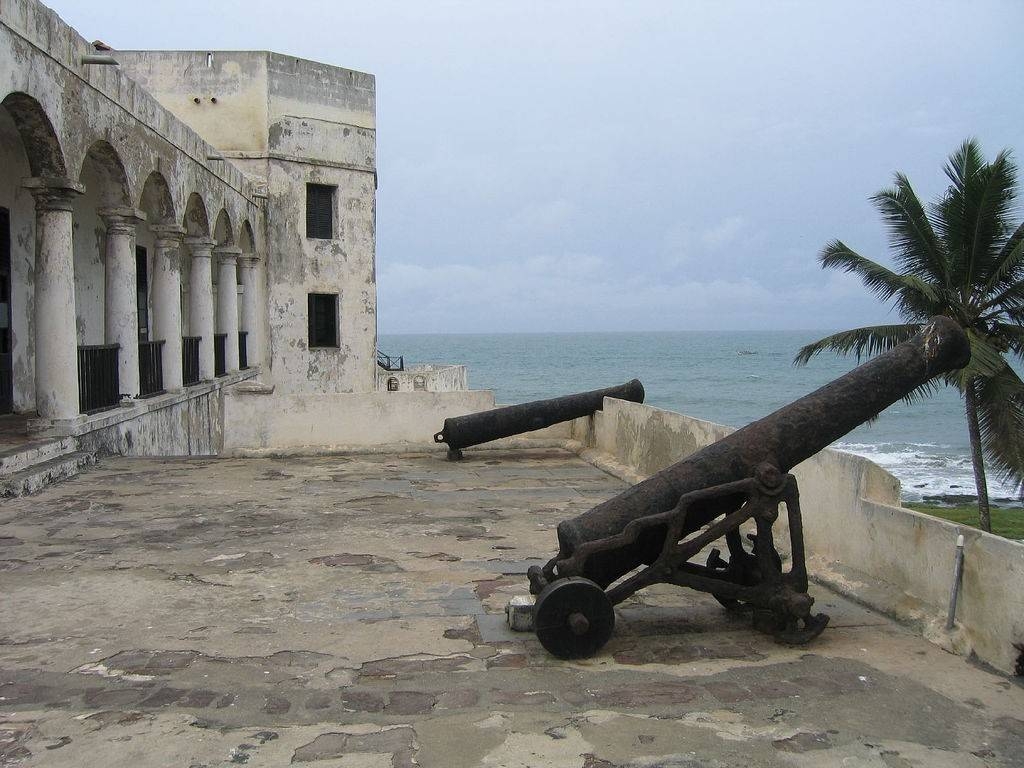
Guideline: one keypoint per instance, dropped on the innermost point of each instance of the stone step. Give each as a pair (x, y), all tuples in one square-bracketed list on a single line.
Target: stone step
[(38, 476), (33, 452)]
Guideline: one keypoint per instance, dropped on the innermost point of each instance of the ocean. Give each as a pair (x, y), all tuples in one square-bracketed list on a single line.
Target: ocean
[(727, 377)]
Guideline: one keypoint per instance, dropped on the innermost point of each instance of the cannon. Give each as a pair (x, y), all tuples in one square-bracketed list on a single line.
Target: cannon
[(652, 532), (463, 431)]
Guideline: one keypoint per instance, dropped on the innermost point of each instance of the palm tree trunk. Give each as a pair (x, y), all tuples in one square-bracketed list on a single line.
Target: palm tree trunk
[(971, 406)]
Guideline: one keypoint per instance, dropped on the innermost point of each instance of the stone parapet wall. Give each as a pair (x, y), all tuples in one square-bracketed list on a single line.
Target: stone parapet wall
[(429, 378), (259, 421), (859, 540)]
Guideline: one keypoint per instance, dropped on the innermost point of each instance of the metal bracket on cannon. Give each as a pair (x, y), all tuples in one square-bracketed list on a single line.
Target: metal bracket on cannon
[(574, 616)]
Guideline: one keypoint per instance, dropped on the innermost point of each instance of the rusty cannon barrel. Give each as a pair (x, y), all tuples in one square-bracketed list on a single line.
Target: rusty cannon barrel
[(782, 439), (463, 431)]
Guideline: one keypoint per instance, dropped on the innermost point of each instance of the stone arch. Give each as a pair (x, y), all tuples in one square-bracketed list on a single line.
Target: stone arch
[(156, 200), (246, 239), (104, 176), (223, 232), (45, 156), (195, 221)]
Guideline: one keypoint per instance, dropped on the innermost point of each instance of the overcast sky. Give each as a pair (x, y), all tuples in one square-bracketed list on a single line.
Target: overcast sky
[(571, 166)]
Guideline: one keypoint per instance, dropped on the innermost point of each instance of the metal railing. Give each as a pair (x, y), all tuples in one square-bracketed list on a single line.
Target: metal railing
[(190, 360), (389, 363), (243, 353), (219, 353), (97, 377), (151, 368)]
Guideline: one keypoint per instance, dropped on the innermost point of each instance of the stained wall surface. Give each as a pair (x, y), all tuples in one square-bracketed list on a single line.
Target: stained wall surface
[(289, 122)]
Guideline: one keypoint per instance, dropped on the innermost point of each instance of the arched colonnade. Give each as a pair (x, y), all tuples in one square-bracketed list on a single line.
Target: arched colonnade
[(127, 268)]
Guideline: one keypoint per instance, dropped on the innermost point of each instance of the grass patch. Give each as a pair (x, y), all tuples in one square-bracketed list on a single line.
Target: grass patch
[(1006, 521)]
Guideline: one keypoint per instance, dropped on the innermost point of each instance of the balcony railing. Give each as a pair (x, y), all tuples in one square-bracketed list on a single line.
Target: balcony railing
[(190, 360), (243, 353), (97, 377), (151, 368), (219, 343), (389, 363)]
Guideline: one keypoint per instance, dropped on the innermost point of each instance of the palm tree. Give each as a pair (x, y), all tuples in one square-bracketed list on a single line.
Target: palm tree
[(960, 257)]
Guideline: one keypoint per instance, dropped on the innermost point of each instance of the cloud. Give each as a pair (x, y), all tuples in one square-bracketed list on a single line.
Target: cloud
[(541, 218), (576, 292)]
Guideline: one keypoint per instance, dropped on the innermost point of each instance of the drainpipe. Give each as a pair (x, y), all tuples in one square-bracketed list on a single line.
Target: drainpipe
[(958, 572)]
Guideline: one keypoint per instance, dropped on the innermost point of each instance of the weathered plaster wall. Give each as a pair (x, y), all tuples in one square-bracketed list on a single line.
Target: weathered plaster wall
[(18, 201), (435, 378), (90, 242), (189, 426), (321, 131), (311, 89), (259, 421), (230, 86), (298, 266), (300, 122), (859, 540)]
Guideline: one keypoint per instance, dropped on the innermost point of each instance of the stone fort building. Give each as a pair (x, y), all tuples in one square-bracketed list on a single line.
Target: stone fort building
[(181, 229)]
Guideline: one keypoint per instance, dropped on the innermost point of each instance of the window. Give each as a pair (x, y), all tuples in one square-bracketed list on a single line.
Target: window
[(142, 292), (323, 320), (320, 211), (392, 384), (419, 382)]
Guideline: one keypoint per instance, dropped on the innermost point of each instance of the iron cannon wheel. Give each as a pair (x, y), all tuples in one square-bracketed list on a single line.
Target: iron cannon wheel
[(574, 618)]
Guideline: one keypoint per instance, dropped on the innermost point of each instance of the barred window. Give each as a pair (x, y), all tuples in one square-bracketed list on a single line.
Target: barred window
[(320, 211)]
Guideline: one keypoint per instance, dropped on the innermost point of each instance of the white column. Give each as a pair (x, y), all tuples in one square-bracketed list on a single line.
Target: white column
[(121, 306), (249, 264), (56, 342), (200, 306), (227, 303), (167, 301)]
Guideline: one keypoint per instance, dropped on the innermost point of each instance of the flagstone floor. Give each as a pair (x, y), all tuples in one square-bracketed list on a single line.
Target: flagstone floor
[(348, 611)]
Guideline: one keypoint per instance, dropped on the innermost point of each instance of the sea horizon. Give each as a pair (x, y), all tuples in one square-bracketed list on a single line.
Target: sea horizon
[(725, 377)]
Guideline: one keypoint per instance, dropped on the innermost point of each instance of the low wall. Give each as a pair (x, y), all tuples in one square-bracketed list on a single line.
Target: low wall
[(860, 541), (185, 423), (259, 422), (430, 378)]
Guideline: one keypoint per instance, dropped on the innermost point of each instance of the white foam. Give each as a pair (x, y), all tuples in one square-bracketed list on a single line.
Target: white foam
[(928, 469)]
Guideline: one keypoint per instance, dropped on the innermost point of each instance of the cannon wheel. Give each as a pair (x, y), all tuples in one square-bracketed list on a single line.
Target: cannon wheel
[(574, 618)]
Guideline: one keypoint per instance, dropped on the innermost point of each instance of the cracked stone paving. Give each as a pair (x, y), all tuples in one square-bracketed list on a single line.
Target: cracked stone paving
[(348, 611)]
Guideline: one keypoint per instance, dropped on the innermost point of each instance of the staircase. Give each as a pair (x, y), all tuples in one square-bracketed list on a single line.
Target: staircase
[(28, 465)]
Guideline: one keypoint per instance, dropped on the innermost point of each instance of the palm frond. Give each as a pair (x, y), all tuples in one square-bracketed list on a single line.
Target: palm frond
[(1001, 419), (1010, 334), (1009, 303), (986, 359), (861, 342), (911, 235), (1007, 265), (914, 292), (964, 163), (922, 392), (971, 218)]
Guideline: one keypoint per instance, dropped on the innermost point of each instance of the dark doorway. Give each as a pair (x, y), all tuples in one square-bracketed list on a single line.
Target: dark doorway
[(6, 366)]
